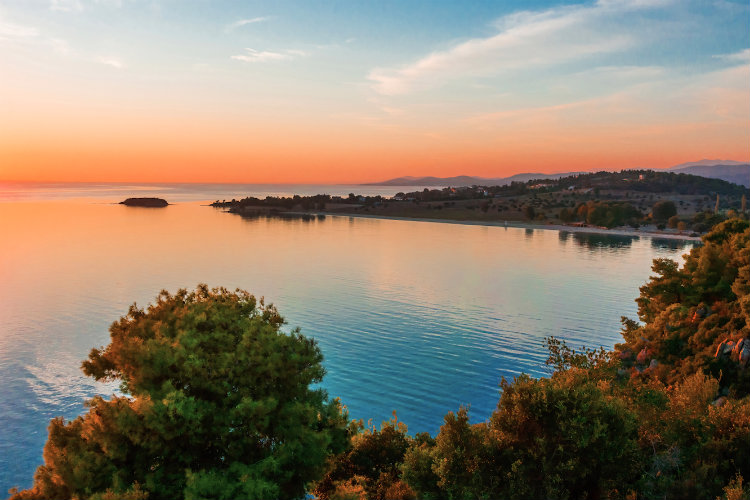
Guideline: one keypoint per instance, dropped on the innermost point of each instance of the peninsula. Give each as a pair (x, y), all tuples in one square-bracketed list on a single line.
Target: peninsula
[(632, 201)]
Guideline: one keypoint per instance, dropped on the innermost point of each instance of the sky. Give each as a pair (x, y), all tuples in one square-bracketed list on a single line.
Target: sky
[(353, 91)]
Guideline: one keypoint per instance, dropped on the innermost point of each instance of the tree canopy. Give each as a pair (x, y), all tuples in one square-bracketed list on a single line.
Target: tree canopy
[(664, 415), (218, 403), (663, 210)]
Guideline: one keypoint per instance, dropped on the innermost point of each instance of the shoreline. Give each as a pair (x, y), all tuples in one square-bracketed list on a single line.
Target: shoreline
[(522, 225)]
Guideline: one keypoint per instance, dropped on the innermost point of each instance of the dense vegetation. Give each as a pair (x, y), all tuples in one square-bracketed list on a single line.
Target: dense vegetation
[(626, 180), (605, 199), (217, 404), (221, 408), (666, 415)]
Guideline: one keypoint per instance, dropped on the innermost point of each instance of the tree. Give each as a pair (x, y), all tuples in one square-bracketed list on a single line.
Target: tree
[(217, 404), (566, 215), (562, 437), (692, 311), (663, 210), (370, 464), (529, 212)]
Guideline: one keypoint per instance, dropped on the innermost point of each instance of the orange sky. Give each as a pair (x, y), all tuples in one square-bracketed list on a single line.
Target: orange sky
[(240, 152), (172, 103)]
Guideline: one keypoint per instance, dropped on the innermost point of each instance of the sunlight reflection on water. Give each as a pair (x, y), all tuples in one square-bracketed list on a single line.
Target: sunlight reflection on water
[(413, 316)]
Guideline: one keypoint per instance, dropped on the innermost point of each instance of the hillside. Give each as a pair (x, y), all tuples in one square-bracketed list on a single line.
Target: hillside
[(738, 173), (466, 180), (644, 199), (727, 170)]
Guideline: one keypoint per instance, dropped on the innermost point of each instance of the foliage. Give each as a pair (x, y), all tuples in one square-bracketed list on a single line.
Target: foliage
[(660, 417), (735, 490), (370, 464), (607, 214), (218, 404), (689, 312), (529, 212), (663, 210), (561, 357)]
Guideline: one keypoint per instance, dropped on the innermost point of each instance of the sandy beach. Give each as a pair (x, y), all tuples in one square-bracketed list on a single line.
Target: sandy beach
[(647, 232)]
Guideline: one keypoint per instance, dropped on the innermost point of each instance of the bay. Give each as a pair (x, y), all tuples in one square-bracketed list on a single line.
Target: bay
[(417, 317)]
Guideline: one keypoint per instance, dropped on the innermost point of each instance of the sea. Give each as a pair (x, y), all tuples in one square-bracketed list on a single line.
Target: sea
[(415, 317)]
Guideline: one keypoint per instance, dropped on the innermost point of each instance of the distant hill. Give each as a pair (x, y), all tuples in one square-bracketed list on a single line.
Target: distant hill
[(706, 163), (467, 180), (727, 170), (736, 172)]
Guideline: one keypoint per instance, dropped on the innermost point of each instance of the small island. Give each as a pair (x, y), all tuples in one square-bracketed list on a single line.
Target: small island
[(145, 202)]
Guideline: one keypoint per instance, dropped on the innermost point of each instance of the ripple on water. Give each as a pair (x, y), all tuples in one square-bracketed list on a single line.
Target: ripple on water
[(414, 317)]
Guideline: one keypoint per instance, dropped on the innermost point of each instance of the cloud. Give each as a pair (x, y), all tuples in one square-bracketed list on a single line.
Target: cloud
[(15, 34), (717, 98), (253, 56), (633, 4), (525, 40), (66, 5), (60, 46), (245, 22), (10, 31), (111, 61), (742, 56)]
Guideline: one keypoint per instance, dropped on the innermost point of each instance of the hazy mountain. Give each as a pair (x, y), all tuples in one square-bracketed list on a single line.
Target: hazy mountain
[(706, 163), (728, 170), (466, 180), (734, 171)]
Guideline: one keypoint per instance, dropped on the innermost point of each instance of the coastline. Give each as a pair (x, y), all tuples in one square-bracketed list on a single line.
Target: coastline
[(522, 225)]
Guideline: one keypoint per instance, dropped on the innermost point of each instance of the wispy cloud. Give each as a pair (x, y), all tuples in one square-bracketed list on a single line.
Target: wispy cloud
[(80, 5), (742, 56), (524, 40), (111, 61), (60, 46), (16, 34), (66, 5), (714, 98), (245, 22), (253, 56), (11, 31)]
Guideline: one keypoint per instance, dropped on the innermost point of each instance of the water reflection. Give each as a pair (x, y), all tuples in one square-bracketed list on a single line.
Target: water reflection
[(420, 328), (607, 241), (283, 216), (670, 244)]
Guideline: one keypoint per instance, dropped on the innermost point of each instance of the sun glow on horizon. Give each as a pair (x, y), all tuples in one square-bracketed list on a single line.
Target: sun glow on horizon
[(228, 93)]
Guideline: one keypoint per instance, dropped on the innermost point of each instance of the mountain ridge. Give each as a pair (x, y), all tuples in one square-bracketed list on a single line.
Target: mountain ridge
[(728, 170)]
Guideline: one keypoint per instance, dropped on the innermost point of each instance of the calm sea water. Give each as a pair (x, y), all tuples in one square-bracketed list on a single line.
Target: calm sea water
[(417, 317)]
